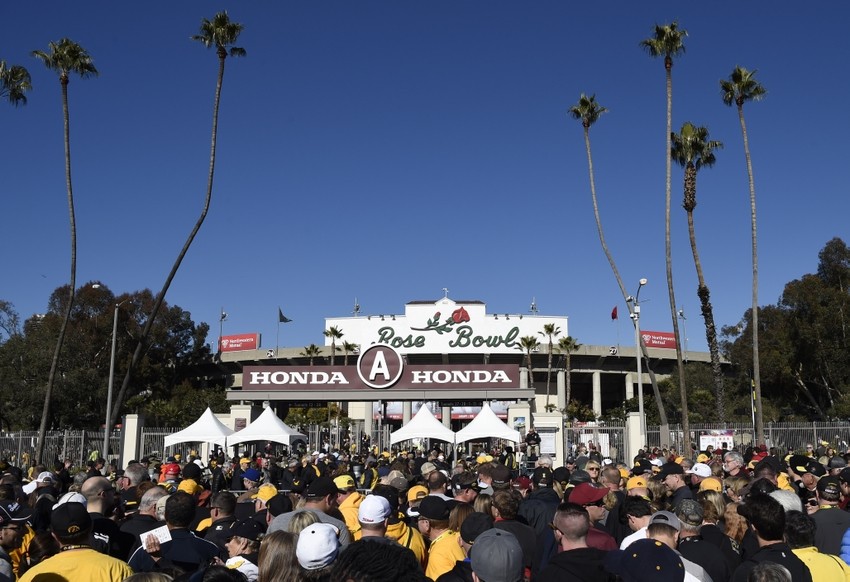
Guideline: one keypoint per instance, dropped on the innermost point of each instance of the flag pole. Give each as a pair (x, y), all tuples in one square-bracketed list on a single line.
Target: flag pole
[(277, 335)]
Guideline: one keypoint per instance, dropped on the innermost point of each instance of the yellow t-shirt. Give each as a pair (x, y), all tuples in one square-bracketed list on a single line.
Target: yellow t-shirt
[(442, 554), (84, 564), (410, 538), (823, 566)]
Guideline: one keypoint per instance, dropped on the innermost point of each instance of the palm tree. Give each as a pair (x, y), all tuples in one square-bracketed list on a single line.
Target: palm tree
[(551, 331), (668, 41), (15, 81), (740, 88), (693, 151), (568, 345), (588, 111), (310, 352), (529, 344), (334, 333), (348, 348), (220, 33), (63, 57)]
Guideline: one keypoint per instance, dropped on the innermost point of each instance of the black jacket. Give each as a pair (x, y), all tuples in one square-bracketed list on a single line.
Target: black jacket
[(539, 508), (462, 572), (579, 565)]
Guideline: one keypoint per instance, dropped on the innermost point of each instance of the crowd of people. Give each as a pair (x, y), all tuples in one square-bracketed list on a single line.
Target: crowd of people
[(723, 515)]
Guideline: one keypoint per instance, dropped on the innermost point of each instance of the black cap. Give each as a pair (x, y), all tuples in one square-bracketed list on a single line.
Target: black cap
[(279, 504), (249, 529), (542, 477), (70, 519), (561, 475), (322, 487), (475, 524), (670, 469), (830, 486), (579, 476), (433, 507)]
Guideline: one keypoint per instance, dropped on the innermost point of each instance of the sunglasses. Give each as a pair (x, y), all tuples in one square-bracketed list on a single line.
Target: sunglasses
[(591, 468), (599, 503)]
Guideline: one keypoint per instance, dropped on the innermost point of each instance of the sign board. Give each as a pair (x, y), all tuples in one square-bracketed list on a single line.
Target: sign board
[(716, 439), (659, 339), (239, 342), (443, 327)]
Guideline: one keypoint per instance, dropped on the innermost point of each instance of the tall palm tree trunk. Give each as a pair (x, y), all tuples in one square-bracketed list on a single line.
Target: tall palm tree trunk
[(662, 415), (704, 296), (54, 364), (755, 316), (142, 345), (686, 436)]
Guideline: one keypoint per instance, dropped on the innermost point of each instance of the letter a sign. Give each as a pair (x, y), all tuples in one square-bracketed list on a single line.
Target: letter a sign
[(379, 366)]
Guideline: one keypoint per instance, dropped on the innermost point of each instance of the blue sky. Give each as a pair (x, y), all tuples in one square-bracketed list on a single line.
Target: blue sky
[(385, 150)]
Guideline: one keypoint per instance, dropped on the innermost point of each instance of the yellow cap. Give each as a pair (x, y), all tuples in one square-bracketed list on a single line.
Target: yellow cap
[(634, 482), (244, 460), (679, 460), (624, 473), (190, 486), (711, 484), (702, 458), (265, 492), (416, 492), (344, 482)]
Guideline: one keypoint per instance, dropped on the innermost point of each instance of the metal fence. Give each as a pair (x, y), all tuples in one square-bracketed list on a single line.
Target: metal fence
[(76, 445), (783, 435), (609, 439)]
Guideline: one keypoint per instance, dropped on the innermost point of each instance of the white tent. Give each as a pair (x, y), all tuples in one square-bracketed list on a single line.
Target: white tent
[(267, 427), (485, 425), (423, 425), (207, 429)]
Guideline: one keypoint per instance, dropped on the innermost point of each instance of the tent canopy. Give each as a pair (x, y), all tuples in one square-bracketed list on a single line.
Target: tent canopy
[(423, 425), (207, 429), (267, 427), (485, 425)]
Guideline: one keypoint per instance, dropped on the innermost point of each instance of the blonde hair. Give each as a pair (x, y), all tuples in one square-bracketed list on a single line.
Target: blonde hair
[(302, 520), (277, 562), (736, 525)]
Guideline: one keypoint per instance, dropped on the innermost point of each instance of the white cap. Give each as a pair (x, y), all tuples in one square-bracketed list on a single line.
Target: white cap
[(373, 509), (43, 477), (657, 462), (71, 497), (700, 470), (318, 546)]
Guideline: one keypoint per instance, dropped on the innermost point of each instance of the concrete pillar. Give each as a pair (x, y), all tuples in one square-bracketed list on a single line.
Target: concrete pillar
[(550, 426), (562, 390), (406, 411), (597, 393), (447, 416), (634, 439), (630, 385), (132, 439)]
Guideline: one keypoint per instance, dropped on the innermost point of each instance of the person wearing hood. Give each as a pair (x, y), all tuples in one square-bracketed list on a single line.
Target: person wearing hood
[(349, 500), (538, 508), (575, 561)]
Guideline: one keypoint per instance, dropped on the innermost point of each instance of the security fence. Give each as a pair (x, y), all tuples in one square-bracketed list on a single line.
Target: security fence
[(609, 439), (786, 436), (78, 446)]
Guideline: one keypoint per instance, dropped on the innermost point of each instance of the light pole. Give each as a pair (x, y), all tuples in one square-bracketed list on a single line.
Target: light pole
[(635, 315), (106, 428), (221, 319), (684, 330)]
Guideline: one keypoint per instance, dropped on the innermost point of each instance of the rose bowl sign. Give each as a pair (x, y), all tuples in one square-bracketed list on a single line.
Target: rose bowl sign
[(239, 342), (380, 367)]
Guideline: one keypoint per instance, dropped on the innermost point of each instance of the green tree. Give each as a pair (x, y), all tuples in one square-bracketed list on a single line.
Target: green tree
[(10, 321), (588, 111), (550, 331), (693, 151), (15, 81), (529, 344), (568, 345), (310, 352), (220, 33), (668, 41), (63, 57), (740, 88), (348, 348), (334, 333)]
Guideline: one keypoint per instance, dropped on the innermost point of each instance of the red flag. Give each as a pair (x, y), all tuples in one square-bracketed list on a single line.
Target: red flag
[(614, 313)]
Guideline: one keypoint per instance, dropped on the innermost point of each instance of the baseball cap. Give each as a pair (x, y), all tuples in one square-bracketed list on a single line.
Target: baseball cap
[(249, 528), (496, 556), (586, 494), (373, 509), (829, 485), (474, 525), (279, 504), (12, 511), (43, 477), (501, 477), (711, 484), (252, 475), (427, 468), (244, 460), (72, 496), (321, 487), (666, 518), (399, 483), (522, 483), (433, 507), (642, 466), (700, 470), (69, 519), (634, 482), (670, 469), (561, 475), (464, 481), (690, 512), (345, 483), (318, 546), (702, 458), (265, 492), (644, 561), (542, 477), (416, 492), (579, 476), (844, 475)]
